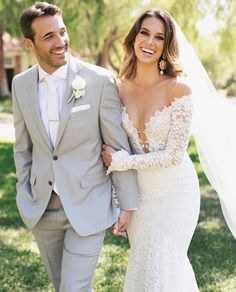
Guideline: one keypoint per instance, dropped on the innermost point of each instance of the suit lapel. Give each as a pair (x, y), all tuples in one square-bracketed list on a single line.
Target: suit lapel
[(73, 69), (35, 105)]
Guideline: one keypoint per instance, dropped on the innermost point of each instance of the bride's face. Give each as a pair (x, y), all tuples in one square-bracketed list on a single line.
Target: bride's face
[(150, 40)]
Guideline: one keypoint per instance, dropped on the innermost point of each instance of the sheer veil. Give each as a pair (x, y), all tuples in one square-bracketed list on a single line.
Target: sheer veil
[(214, 129)]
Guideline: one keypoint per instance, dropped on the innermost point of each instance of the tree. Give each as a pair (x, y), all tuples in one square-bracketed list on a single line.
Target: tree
[(97, 28), (9, 21)]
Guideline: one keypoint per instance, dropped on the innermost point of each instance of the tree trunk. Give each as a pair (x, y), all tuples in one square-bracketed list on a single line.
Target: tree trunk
[(3, 78), (103, 56)]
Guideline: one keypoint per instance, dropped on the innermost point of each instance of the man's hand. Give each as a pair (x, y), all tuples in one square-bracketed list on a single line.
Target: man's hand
[(106, 154), (114, 229), (120, 227), (124, 219)]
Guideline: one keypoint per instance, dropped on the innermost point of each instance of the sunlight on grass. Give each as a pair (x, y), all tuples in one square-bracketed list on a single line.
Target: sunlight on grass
[(221, 284), (212, 251), (110, 272), (209, 225), (6, 105), (22, 239)]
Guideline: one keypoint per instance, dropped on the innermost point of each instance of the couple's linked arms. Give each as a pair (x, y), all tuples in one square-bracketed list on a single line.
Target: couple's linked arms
[(177, 143), (113, 134)]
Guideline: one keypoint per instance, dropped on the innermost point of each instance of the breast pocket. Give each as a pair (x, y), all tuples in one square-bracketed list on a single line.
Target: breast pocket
[(80, 112)]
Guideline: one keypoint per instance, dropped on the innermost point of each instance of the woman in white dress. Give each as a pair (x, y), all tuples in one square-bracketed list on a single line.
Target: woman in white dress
[(157, 114)]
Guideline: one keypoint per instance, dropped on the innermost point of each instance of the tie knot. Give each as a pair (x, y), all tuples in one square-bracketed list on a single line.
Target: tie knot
[(50, 79)]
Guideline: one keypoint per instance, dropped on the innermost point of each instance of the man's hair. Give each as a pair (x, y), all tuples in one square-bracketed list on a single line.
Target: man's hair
[(38, 9)]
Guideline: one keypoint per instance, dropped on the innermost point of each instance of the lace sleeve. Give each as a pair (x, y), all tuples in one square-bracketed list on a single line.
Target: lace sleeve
[(177, 142)]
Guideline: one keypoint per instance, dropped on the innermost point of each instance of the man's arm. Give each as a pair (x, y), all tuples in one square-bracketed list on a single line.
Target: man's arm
[(22, 147), (114, 135)]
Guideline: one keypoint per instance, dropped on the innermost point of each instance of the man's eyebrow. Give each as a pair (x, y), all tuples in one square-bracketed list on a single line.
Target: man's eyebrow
[(47, 34)]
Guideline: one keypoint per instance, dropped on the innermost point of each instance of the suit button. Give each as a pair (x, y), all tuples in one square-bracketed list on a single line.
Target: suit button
[(55, 157), (50, 183)]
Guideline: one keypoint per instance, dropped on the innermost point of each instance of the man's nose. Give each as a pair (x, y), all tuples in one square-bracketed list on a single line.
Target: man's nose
[(61, 41)]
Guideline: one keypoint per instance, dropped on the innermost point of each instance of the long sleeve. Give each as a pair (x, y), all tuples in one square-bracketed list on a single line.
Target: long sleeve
[(177, 142), (22, 147), (113, 134)]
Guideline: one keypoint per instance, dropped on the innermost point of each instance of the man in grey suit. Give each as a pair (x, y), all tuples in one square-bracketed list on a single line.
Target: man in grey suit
[(64, 110)]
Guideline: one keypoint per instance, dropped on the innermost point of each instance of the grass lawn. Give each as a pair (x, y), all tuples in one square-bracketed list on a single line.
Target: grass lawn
[(212, 252), (5, 105)]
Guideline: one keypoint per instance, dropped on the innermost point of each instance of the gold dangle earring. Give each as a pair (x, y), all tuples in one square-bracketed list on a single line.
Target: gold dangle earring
[(162, 65)]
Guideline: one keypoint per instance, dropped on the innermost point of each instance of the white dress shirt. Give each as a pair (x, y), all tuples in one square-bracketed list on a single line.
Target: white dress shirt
[(60, 85)]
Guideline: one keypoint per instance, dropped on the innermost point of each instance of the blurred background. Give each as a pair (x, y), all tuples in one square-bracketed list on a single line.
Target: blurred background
[(96, 29)]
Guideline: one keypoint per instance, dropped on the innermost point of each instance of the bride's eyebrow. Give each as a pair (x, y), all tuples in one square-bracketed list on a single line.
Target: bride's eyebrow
[(157, 33)]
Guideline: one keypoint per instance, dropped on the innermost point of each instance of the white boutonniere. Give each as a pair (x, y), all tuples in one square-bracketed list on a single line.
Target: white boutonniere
[(78, 88)]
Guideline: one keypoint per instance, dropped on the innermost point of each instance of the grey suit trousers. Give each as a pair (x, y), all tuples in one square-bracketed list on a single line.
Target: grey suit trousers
[(70, 259)]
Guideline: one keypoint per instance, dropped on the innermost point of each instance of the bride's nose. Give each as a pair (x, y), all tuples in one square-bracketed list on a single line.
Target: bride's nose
[(151, 39)]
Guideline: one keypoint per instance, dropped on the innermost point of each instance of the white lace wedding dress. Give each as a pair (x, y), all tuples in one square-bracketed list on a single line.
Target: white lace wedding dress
[(162, 227)]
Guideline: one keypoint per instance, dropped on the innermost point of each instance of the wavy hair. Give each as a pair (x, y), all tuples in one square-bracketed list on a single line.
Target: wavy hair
[(170, 52)]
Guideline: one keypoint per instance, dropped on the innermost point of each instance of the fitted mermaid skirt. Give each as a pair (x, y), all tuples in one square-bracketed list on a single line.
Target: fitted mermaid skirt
[(161, 230)]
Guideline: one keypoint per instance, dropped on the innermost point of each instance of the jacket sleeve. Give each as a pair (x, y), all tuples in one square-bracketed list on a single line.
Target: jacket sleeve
[(114, 135), (22, 148)]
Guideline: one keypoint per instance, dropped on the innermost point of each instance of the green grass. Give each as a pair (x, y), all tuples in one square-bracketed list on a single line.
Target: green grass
[(212, 251), (5, 104)]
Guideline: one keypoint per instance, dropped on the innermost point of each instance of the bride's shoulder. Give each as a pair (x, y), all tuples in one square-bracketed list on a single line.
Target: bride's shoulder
[(121, 83), (123, 87), (178, 88)]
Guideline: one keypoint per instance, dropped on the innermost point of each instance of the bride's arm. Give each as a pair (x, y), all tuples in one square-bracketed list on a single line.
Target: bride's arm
[(177, 143)]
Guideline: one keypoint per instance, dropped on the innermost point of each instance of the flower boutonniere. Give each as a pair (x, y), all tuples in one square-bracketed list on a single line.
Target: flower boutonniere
[(78, 87)]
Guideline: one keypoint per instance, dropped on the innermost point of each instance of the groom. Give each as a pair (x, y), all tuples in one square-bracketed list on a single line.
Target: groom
[(64, 110)]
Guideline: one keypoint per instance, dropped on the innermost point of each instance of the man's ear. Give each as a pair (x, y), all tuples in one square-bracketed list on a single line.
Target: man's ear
[(29, 45)]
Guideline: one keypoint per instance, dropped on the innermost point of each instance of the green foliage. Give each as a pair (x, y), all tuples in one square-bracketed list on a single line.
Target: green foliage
[(212, 251), (9, 15), (92, 22), (5, 104), (230, 85)]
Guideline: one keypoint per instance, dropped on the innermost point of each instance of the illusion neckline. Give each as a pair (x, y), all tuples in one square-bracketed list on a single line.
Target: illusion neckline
[(155, 113)]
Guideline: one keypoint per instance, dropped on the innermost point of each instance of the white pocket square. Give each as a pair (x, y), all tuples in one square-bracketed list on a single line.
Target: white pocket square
[(80, 108)]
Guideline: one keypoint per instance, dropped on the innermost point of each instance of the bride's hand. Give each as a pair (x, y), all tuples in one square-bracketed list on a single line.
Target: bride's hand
[(106, 154)]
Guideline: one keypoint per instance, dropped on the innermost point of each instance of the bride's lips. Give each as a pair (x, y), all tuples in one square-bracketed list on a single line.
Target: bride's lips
[(147, 51)]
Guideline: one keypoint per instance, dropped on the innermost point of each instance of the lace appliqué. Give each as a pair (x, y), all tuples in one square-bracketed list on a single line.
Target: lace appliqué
[(167, 134)]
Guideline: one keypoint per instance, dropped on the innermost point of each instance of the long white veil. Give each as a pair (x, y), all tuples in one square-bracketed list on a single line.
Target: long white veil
[(214, 129)]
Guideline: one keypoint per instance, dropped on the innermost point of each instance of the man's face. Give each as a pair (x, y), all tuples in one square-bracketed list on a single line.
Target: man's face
[(50, 43)]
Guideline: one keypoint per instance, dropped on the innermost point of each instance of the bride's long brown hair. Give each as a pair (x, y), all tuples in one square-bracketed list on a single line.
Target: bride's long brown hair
[(170, 52)]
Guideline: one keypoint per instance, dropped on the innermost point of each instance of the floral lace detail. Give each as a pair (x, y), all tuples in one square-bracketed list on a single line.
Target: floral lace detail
[(132, 132), (167, 134), (168, 200)]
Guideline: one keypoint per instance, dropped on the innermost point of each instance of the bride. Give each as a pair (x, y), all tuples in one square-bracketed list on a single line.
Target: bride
[(157, 102)]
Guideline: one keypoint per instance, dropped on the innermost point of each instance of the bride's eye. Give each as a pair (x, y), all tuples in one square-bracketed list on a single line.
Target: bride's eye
[(144, 32), (159, 37)]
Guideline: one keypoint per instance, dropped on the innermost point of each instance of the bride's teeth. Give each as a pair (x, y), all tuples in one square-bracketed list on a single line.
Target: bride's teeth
[(59, 52), (147, 51)]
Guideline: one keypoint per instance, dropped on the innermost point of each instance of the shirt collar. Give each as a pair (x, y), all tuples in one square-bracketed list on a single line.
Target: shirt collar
[(60, 73)]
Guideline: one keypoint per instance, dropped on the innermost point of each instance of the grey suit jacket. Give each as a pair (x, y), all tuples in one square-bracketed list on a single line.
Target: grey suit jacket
[(75, 163)]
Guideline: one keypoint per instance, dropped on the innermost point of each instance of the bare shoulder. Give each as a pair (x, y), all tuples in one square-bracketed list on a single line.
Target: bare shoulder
[(122, 88), (179, 88)]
